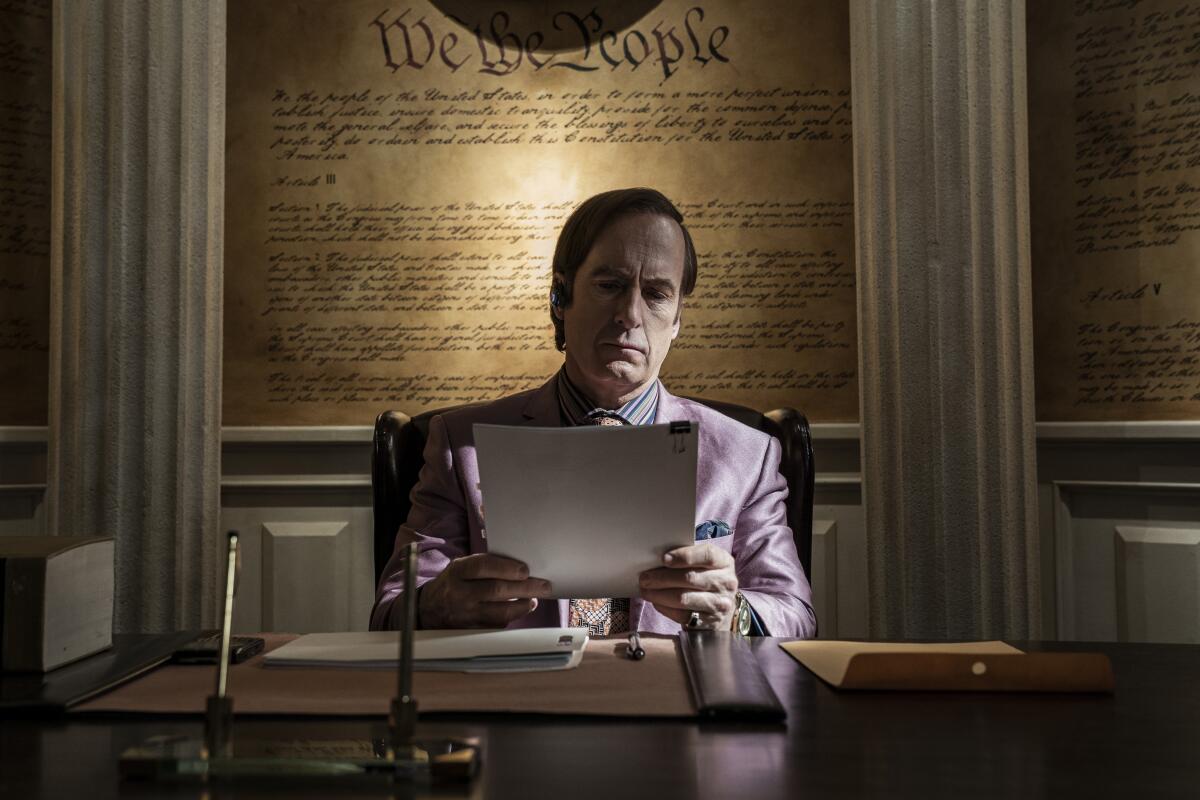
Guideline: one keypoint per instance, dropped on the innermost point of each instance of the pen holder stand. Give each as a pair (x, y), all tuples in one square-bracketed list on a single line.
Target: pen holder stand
[(335, 765), (398, 758), (402, 725), (218, 727)]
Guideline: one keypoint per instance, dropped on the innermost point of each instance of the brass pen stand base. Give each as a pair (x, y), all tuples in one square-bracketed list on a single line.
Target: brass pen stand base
[(398, 759), (346, 762)]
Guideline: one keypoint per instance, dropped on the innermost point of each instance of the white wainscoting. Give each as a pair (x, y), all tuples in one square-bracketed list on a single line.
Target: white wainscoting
[(839, 565), (1158, 584), (824, 577), (1119, 521), (278, 478), (1120, 531), (22, 481), (22, 509), (1119, 579), (307, 551)]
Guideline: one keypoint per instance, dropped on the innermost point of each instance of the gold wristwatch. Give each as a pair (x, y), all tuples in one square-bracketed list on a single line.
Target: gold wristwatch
[(742, 616)]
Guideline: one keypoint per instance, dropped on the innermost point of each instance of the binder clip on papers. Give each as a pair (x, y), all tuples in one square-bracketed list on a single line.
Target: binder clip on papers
[(396, 757), (678, 429)]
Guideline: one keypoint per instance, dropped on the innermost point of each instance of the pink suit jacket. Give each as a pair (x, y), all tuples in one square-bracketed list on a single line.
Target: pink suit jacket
[(737, 481)]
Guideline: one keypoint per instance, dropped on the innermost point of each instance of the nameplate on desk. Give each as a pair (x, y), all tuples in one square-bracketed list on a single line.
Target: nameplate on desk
[(959, 666)]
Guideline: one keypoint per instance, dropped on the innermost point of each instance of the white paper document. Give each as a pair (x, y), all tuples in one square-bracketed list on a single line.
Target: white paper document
[(518, 650), (588, 508)]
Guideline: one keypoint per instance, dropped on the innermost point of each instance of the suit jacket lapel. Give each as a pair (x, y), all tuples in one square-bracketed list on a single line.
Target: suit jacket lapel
[(669, 408), (542, 407)]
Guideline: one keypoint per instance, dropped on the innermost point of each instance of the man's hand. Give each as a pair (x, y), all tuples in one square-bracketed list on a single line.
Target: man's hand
[(699, 578), (480, 591)]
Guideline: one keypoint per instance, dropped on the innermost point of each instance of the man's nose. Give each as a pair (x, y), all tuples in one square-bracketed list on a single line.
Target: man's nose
[(629, 309)]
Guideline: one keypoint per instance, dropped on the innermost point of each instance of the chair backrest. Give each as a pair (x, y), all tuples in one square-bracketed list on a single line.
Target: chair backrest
[(399, 455)]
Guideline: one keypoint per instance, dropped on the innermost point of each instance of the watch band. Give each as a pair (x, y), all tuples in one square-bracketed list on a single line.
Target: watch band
[(743, 617)]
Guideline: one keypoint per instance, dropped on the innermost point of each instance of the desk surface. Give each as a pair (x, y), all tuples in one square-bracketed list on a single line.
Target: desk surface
[(1143, 741)]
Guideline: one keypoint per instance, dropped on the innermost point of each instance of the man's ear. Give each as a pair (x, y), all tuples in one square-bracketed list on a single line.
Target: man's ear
[(557, 301)]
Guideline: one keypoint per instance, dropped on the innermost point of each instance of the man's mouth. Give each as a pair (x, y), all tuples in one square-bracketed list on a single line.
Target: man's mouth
[(625, 346)]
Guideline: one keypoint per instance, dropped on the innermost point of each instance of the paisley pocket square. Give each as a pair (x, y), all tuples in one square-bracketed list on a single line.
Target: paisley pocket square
[(712, 529)]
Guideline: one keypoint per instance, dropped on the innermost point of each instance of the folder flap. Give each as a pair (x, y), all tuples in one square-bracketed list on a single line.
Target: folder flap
[(830, 659), (956, 666)]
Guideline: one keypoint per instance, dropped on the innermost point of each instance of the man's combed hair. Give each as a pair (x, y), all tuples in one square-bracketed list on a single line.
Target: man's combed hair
[(590, 219)]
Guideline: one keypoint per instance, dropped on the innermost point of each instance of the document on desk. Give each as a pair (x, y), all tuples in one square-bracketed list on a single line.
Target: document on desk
[(518, 650), (588, 508), (951, 666)]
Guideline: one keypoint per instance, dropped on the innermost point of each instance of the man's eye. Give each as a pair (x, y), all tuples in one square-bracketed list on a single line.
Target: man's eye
[(609, 286), (657, 296)]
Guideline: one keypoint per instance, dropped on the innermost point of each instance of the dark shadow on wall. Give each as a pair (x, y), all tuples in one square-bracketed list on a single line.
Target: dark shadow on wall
[(551, 26)]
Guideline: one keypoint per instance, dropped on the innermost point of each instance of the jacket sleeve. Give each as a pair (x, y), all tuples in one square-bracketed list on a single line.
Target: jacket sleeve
[(437, 523), (768, 568)]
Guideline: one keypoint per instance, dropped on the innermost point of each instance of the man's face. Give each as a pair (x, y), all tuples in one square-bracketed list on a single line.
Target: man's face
[(624, 308)]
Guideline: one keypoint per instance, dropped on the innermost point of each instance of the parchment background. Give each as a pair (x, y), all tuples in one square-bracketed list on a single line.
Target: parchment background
[(24, 211), (330, 47), (1135, 374)]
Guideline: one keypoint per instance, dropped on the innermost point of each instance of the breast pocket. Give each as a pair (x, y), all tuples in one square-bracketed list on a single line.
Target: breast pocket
[(712, 529)]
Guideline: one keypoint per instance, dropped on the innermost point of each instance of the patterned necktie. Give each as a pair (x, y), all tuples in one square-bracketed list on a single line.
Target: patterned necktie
[(602, 615)]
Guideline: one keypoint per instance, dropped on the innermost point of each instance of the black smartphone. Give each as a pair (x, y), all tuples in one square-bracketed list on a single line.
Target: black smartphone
[(207, 649)]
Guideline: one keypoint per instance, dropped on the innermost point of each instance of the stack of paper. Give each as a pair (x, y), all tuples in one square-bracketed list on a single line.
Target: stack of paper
[(549, 492), (520, 650)]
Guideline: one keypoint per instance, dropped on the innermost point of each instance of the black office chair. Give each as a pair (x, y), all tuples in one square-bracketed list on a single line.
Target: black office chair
[(399, 455)]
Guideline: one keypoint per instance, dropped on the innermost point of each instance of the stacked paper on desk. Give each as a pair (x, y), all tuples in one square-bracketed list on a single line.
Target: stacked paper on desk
[(521, 650)]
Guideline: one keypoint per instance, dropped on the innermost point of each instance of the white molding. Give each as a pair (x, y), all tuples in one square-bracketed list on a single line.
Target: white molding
[(23, 434), (295, 483), (21, 488), (1064, 554), (1184, 430), (1152, 578), (1127, 486), (321, 550), (1143, 534), (825, 541), (352, 434), (834, 431), (298, 434), (837, 479), (363, 481)]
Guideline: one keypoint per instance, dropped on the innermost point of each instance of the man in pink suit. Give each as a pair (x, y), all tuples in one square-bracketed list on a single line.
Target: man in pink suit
[(622, 266)]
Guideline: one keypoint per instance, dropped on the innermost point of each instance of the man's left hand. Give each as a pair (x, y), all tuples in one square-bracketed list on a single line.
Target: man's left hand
[(700, 578)]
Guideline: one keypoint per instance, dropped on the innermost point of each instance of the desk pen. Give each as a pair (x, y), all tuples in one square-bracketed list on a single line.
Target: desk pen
[(633, 650)]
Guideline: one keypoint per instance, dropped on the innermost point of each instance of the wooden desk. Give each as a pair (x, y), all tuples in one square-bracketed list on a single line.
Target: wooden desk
[(1144, 741)]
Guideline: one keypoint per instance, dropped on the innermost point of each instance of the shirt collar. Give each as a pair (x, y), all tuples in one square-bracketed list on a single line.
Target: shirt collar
[(576, 407)]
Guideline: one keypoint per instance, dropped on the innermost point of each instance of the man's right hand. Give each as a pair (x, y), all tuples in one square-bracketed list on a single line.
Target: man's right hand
[(480, 591)]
